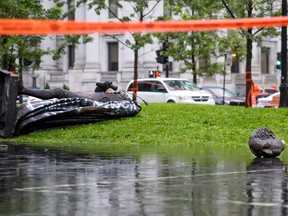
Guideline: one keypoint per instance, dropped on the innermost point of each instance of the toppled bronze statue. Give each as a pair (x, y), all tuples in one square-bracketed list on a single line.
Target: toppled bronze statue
[(263, 143), (59, 107)]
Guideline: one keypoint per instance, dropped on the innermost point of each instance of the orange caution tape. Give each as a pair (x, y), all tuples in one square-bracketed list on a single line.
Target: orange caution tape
[(41, 27)]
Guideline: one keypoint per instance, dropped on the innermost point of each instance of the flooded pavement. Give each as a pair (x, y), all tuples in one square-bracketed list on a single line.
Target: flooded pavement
[(182, 182)]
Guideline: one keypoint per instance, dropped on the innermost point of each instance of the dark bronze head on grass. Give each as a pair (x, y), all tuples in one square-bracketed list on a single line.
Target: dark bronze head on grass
[(263, 143)]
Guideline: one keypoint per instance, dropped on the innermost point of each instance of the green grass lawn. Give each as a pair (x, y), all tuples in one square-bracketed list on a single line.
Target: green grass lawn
[(169, 125)]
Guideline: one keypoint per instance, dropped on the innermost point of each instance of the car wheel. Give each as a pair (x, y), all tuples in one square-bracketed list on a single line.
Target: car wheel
[(170, 101)]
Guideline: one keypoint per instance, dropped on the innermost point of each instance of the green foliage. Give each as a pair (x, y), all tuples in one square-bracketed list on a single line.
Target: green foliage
[(65, 87), (191, 47), (166, 125), (20, 47), (131, 10), (26, 48), (46, 86), (96, 5), (209, 69), (253, 8), (140, 41), (73, 40), (55, 13), (232, 40), (21, 9), (140, 12)]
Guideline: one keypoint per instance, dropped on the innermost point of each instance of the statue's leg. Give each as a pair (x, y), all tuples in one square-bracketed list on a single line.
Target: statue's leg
[(48, 94)]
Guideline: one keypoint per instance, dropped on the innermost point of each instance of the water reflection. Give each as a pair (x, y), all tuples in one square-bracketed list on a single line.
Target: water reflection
[(267, 186), (45, 182)]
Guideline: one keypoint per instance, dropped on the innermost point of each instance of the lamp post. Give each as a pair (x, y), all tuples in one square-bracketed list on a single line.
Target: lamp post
[(224, 77), (283, 87)]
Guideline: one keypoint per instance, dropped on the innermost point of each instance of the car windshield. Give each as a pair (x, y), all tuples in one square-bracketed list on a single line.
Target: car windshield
[(219, 92), (175, 85)]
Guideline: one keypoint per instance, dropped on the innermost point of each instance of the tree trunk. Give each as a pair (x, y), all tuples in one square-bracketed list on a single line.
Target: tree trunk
[(194, 68), (249, 82), (249, 47), (194, 77)]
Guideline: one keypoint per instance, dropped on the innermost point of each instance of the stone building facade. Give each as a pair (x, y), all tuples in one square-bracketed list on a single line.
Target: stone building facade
[(105, 59)]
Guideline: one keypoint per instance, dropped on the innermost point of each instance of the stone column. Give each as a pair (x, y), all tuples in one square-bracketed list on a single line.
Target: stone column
[(76, 74), (48, 66), (49, 43), (80, 53), (92, 69)]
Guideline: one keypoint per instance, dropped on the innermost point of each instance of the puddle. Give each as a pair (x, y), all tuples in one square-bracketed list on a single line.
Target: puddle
[(206, 182)]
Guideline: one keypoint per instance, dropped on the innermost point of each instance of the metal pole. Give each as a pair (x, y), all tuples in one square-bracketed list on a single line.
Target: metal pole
[(166, 62), (167, 69), (283, 87)]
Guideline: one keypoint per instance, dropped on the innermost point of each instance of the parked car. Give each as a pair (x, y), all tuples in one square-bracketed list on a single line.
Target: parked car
[(271, 101), (262, 93), (230, 98), (170, 90)]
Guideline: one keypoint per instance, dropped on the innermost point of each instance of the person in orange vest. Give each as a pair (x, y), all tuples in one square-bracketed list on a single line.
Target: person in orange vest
[(274, 87), (256, 91), (157, 74)]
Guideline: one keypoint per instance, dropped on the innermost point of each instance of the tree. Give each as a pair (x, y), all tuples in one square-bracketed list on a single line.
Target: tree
[(69, 13), (139, 10), (20, 52), (249, 9), (194, 49)]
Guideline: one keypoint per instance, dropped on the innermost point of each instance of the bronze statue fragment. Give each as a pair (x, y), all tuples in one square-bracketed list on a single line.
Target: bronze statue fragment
[(59, 107), (263, 143)]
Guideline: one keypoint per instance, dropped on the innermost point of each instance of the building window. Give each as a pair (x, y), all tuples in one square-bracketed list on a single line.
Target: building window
[(113, 9), (113, 56), (265, 60), (71, 56)]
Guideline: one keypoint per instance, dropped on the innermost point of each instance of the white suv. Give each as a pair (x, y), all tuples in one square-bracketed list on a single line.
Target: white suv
[(170, 90)]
